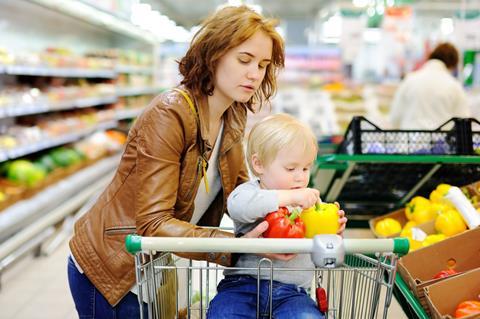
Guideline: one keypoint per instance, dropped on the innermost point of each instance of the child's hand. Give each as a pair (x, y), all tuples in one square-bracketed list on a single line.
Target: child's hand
[(303, 197), (342, 220), (257, 233)]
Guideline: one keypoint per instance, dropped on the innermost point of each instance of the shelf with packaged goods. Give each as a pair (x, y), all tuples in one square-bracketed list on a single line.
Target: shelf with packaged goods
[(58, 72), (124, 114), (23, 150), (133, 69), (130, 91), (43, 107)]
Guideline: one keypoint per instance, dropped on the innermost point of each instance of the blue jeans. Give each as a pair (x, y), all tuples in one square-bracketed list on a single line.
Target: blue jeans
[(91, 304), (237, 298)]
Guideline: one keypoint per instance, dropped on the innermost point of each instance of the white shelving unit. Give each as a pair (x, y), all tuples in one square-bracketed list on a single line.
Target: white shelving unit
[(83, 28)]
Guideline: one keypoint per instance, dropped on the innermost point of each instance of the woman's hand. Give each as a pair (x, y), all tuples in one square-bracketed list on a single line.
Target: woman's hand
[(257, 233), (342, 220)]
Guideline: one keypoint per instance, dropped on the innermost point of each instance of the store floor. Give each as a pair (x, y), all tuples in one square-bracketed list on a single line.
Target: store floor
[(37, 288)]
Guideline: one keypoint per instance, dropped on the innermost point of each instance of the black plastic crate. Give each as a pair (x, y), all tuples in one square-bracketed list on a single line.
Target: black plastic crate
[(454, 137), (474, 126)]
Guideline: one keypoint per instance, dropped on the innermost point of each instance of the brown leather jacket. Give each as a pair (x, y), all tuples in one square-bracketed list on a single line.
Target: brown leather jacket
[(153, 190)]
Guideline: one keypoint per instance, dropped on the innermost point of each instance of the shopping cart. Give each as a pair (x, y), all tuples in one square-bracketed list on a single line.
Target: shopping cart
[(356, 285)]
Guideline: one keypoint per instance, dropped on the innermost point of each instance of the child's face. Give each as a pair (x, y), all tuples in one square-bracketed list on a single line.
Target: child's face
[(289, 170)]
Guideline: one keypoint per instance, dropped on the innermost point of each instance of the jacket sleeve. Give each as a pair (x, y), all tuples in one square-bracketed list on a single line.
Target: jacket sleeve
[(161, 140), (248, 203)]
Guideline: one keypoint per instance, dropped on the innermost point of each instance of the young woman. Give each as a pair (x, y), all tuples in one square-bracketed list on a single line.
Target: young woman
[(183, 158)]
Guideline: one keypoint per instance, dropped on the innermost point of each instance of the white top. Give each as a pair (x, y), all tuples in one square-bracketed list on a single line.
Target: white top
[(427, 98), (204, 199)]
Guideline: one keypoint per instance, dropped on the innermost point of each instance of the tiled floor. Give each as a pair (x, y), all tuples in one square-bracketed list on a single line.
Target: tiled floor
[(37, 288)]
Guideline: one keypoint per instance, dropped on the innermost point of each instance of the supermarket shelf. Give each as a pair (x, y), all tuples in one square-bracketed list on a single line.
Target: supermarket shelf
[(85, 102), (133, 69), (43, 107), (137, 91), (22, 221), (45, 144), (60, 72), (128, 114)]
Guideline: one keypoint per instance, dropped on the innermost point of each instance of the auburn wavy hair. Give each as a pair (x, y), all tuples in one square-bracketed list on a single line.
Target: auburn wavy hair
[(226, 29)]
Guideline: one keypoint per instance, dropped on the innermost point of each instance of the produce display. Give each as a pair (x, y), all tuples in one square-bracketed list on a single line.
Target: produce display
[(445, 273), (467, 308), (22, 178), (428, 220)]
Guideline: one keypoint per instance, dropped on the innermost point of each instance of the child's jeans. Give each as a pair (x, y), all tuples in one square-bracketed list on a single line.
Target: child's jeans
[(237, 298)]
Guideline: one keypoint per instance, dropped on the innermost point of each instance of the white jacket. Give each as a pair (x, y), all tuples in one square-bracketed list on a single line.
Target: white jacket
[(427, 98)]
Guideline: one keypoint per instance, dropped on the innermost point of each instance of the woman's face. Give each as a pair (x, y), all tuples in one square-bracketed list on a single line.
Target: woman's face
[(241, 70)]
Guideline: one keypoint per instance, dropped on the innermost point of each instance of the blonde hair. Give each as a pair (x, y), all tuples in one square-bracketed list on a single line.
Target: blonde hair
[(277, 132), (222, 31)]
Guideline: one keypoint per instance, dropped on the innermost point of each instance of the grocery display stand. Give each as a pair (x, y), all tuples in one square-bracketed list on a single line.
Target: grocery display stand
[(371, 185), (409, 303), (376, 171)]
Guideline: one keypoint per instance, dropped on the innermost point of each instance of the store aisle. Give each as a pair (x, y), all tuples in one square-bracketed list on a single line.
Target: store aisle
[(37, 288)]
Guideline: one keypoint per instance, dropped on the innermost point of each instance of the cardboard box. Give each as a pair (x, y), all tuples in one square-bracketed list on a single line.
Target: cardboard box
[(472, 191), (443, 297), (459, 252)]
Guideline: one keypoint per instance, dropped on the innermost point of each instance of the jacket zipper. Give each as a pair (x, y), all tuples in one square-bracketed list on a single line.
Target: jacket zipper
[(197, 176), (120, 230)]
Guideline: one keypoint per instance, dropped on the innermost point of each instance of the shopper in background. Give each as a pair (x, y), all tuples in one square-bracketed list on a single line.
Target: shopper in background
[(280, 152), (181, 160), (429, 97)]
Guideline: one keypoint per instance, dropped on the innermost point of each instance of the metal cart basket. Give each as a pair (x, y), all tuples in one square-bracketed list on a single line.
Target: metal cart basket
[(356, 285)]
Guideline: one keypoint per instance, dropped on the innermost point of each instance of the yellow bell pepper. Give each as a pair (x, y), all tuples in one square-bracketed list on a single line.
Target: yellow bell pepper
[(320, 219), (409, 225), (443, 189), (408, 233), (450, 223), (438, 208), (417, 203), (438, 194), (388, 227), (423, 214), (432, 239)]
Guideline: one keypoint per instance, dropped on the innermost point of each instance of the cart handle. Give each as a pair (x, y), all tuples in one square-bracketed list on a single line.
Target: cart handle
[(135, 243)]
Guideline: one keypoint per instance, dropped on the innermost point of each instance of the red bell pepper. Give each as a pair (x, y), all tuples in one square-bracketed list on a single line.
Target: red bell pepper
[(467, 308), (283, 224), (445, 273)]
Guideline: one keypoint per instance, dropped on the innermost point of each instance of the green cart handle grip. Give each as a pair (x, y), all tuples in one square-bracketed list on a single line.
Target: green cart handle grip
[(133, 243), (401, 246)]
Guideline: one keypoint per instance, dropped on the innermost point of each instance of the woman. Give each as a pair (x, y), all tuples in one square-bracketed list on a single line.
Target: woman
[(157, 190)]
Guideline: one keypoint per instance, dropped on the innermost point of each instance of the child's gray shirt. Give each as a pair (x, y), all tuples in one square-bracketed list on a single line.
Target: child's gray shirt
[(248, 205)]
